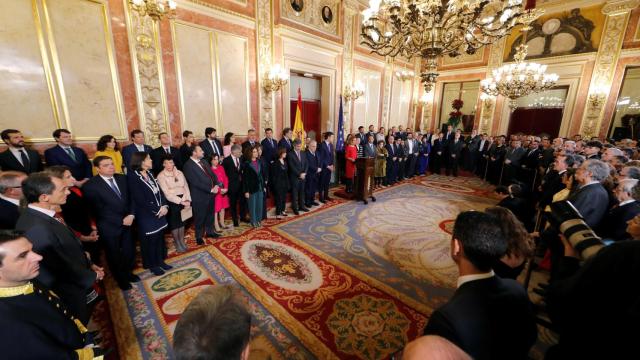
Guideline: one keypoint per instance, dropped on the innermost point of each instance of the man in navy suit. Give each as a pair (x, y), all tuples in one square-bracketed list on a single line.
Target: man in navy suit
[(10, 195), (211, 145), (108, 195), (285, 142), (297, 162), (203, 185), (137, 145), (487, 317), (164, 149), (251, 140), (269, 146), (17, 157), (327, 155), (314, 171), (66, 154)]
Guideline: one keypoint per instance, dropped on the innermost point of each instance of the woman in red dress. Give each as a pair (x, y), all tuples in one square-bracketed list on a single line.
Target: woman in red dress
[(222, 199), (350, 155)]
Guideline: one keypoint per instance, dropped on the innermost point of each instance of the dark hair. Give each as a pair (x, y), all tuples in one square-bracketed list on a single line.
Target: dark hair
[(136, 132), (162, 133), (37, 184), (285, 131), (481, 238), (296, 142), (6, 133), (186, 133), (519, 242), (327, 135), (516, 190), (621, 159), (137, 158), (57, 132), (248, 152), (103, 141), (268, 129), (57, 170), (208, 131), (215, 325), (281, 151), (165, 157), (214, 156), (360, 127), (96, 161), (7, 236), (227, 138), (569, 159)]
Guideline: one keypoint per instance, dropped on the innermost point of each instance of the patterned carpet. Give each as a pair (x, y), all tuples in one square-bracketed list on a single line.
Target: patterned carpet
[(345, 281)]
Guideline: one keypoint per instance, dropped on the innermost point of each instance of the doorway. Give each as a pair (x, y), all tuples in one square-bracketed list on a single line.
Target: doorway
[(311, 90), (539, 113)]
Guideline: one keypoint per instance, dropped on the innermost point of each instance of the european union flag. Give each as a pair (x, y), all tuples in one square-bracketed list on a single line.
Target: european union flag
[(340, 140)]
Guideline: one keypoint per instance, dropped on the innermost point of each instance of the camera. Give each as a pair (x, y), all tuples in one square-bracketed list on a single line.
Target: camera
[(567, 219)]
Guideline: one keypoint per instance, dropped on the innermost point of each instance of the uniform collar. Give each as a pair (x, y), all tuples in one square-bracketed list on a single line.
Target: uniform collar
[(25, 289)]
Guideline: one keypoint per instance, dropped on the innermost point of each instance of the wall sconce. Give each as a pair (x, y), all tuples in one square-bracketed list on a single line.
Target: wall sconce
[(487, 101), (156, 9), (405, 75), (275, 79), (597, 97), (425, 98), (353, 92)]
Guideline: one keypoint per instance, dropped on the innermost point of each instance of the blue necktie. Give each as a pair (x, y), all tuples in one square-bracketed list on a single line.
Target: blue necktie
[(71, 154), (112, 185)]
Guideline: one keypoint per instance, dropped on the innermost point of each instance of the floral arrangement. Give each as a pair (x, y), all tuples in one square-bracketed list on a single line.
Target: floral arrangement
[(456, 115)]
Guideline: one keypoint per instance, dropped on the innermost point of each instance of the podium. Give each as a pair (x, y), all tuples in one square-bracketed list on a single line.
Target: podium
[(365, 169)]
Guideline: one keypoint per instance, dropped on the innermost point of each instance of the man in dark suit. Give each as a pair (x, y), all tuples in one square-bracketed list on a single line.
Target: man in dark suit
[(529, 164), (483, 157), (66, 154), (454, 151), (487, 317), (269, 146), (361, 135), (10, 195), (437, 154), (17, 157), (327, 155), (203, 185), (285, 142), (513, 158), (614, 224), (35, 324), (251, 140), (313, 174), (592, 150), (232, 167), (552, 180), (297, 173), (211, 145), (496, 160), (108, 197), (472, 143), (65, 268), (137, 145), (392, 160), (165, 149), (369, 149), (411, 151)]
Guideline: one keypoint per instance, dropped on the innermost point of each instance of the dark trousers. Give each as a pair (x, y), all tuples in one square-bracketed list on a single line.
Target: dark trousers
[(400, 173), (297, 194), (324, 183), (452, 166), (120, 252), (203, 216), (410, 166), (152, 249), (436, 163), (237, 198), (280, 198), (310, 188), (391, 171)]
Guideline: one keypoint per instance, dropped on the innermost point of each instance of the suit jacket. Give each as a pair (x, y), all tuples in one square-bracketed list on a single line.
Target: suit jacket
[(285, 143), (146, 204), (530, 159), (362, 137), (370, 151), (9, 214), (439, 146), (252, 180), (488, 319), (80, 169), (208, 149), (551, 184), (327, 154), (128, 150), (515, 155), (455, 148), (269, 149), (614, 224), (234, 174), (158, 153), (201, 182), (107, 207), (9, 162), (247, 144), (185, 153), (279, 176), (546, 158), (392, 150), (64, 267), (592, 201), (296, 166), (414, 148), (473, 142), (313, 163)]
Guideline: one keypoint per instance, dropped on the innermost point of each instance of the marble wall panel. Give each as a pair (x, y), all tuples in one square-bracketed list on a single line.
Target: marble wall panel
[(400, 101), (366, 108), (233, 66), (81, 42), (195, 55), (25, 97)]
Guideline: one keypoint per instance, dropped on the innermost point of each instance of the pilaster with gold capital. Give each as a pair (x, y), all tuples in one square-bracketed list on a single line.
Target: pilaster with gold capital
[(264, 44), (488, 110), (350, 11)]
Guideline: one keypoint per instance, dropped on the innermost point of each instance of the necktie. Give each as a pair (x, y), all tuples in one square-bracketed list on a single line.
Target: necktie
[(271, 141), (298, 154), (167, 151), (71, 154), (235, 160), (25, 159), (59, 218), (114, 187)]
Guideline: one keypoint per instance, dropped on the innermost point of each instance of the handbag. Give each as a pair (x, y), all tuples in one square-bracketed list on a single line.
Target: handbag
[(186, 213)]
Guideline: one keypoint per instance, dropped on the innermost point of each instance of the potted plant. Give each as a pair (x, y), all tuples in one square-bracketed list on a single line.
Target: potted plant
[(456, 115)]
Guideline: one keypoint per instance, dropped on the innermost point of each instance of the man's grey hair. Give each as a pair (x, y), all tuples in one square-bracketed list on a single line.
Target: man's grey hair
[(599, 169), (633, 172), (10, 179), (236, 147), (628, 185)]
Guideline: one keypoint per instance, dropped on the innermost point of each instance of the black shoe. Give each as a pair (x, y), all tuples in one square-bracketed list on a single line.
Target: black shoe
[(246, 221), (304, 209), (323, 201), (166, 266), (213, 235), (308, 205), (295, 212), (124, 286), (133, 278), (315, 203), (236, 224), (199, 241), (157, 271), (328, 199)]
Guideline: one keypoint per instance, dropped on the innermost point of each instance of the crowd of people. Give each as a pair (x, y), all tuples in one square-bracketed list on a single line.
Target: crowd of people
[(58, 219)]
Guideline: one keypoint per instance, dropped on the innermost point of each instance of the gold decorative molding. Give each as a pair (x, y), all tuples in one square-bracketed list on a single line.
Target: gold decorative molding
[(311, 14), (495, 60), (609, 51), (413, 103), (350, 12), (146, 58), (386, 97), (264, 45)]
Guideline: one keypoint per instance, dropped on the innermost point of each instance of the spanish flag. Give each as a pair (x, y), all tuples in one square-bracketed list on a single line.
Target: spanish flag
[(298, 126)]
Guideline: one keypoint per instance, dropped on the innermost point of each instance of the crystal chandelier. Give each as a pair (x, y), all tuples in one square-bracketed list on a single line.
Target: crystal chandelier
[(404, 75), (520, 78), (433, 28), (156, 9)]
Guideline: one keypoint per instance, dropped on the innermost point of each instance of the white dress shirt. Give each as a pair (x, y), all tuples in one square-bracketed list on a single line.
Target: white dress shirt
[(15, 202), (467, 278), (47, 212)]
